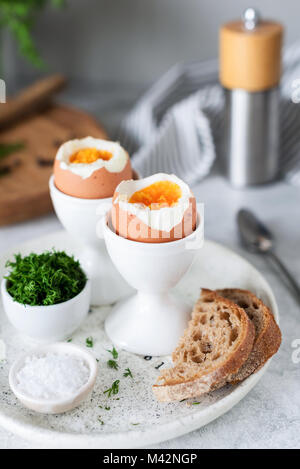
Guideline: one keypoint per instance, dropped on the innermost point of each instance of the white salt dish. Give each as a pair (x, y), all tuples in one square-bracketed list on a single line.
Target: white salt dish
[(47, 323), (58, 405), (151, 321), (81, 217)]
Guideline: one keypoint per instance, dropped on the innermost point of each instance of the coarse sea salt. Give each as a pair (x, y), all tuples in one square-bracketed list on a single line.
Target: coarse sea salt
[(52, 376)]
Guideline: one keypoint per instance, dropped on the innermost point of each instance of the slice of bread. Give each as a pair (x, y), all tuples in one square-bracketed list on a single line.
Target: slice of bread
[(267, 333), (216, 343)]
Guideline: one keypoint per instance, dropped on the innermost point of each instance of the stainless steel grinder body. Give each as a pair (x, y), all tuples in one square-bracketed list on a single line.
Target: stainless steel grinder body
[(251, 136)]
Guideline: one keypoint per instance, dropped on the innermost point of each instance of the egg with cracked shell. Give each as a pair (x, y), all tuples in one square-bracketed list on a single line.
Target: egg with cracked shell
[(157, 209), (91, 168)]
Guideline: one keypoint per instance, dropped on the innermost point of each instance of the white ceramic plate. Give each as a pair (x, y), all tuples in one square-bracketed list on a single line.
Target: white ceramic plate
[(134, 418)]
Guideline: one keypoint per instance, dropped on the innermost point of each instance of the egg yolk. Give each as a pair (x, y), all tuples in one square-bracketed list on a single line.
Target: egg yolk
[(157, 195), (89, 155)]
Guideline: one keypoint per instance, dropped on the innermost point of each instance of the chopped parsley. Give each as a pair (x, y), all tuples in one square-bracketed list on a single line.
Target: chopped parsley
[(114, 353), (89, 342), (127, 373), (113, 364), (44, 279), (114, 388)]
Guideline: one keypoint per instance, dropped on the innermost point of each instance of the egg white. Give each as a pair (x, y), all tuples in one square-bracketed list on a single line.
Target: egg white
[(165, 218), (115, 165)]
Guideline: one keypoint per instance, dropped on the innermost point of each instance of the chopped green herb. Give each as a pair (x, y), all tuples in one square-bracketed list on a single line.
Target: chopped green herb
[(196, 403), (127, 373), (114, 353), (135, 424), (107, 408), (44, 279), (69, 340), (100, 420), (114, 388), (113, 364), (97, 360), (7, 149), (100, 406), (89, 342)]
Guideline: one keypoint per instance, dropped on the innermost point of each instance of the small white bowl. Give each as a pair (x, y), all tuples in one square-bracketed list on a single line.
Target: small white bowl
[(47, 323), (56, 406)]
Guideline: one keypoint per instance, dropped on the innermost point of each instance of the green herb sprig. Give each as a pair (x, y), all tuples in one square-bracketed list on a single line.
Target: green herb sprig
[(44, 279), (112, 364), (89, 342), (114, 389), (114, 353), (19, 17), (127, 373)]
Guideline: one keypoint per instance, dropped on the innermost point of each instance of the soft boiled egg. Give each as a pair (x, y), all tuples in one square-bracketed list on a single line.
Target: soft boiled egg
[(91, 168), (156, 209)]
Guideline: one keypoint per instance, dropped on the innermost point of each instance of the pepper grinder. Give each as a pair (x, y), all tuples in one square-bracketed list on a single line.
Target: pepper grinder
[(250, 68)]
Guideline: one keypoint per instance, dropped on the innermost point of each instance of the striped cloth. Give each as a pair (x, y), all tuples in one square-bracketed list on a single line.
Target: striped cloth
[(176, 126)]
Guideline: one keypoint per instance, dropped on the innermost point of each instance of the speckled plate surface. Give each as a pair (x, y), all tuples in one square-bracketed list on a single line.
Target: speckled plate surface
[(132, 418)]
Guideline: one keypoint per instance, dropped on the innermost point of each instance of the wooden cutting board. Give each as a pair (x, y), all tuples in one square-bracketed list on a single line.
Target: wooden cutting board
[(24, 191)]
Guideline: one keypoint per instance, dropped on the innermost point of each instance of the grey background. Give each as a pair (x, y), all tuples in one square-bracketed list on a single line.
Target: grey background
[(135, 41)]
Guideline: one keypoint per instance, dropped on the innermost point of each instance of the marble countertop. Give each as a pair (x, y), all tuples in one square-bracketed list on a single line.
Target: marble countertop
[(269, 416)]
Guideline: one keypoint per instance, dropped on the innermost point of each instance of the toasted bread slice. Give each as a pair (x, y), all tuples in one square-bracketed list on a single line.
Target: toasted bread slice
[(216, 343), (267, 333)]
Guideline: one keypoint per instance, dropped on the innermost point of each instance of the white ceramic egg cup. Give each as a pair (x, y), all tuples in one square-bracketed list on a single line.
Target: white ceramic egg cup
[(151, 321), (82, 220)]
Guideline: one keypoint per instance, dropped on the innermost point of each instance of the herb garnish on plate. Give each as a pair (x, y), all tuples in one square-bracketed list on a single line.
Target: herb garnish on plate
[(113, 364), (89, 342), (114, 389), (114, 353), (44, 279), (127, 373)]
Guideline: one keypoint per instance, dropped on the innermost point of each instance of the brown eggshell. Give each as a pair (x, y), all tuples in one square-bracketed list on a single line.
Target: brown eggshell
[(131, 227), (99, 185)]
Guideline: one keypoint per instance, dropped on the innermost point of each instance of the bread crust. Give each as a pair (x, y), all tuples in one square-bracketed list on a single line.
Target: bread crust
[(267, 341), (217, 376)]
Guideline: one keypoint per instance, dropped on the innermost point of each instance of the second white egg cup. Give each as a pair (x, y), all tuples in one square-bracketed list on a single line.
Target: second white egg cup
[(82, 219), (151, 321)]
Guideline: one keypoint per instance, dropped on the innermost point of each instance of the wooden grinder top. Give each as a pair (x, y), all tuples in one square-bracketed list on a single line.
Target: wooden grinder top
[(250, 53)]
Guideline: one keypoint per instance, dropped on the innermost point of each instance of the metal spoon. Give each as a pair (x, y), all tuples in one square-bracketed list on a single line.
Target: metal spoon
[(257, 238)]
